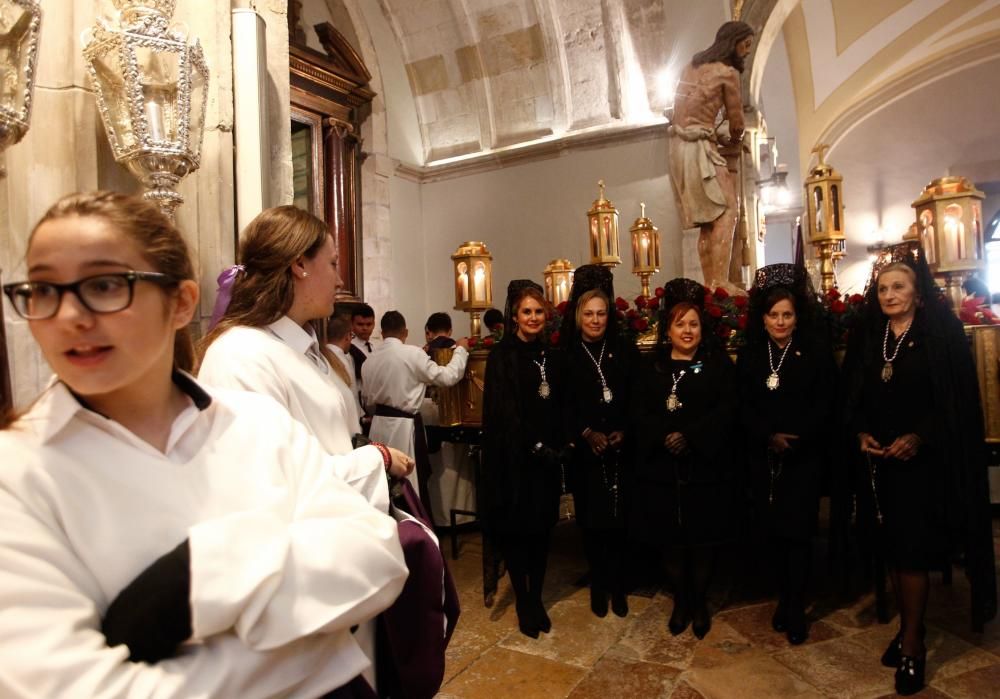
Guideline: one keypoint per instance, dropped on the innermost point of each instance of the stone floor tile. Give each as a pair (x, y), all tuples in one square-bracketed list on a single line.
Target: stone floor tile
[(649, 640), (722, 645), (754, 623), (500, 673), (977, 684), (577, 637), (759, 677), (616, 677), (841, 667), (686, 691)]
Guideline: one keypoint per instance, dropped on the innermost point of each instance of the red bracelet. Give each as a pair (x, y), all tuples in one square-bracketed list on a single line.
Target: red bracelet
[(384, 451)]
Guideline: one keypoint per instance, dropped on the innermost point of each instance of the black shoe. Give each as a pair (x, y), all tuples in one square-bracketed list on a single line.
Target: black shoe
[(619, 604), (527, 622), (544, 623), (893, 651), (910, 674), (701, 621), (795, 620), (779, 622), (598, 601), (679, 619)]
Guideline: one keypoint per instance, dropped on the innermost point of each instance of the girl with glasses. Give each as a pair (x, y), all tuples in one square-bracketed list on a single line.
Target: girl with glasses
[(158, 538)]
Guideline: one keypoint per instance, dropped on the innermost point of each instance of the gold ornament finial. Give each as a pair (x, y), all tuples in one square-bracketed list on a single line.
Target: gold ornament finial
[(642, 209), (820, 152), (600, 183)]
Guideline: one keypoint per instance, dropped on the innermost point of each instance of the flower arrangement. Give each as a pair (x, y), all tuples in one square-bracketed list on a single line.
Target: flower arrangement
[(487, 341), (730, 315), (976, 311), (842, 313)]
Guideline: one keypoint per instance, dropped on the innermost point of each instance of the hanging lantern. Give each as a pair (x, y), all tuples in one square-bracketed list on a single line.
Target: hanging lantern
[(473, 271), (645, 249), (558, 278), (950, 229), (150, 86), (603, 219), (825, 217), (19, 24)]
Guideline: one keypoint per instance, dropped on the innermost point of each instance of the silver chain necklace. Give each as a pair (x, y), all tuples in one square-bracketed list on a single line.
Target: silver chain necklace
[(544, 391), (887, 367), (772, 380), (673, 402), (605, 391)]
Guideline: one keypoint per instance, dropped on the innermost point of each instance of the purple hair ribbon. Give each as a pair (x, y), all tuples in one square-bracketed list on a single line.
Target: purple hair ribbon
[(226, 280)]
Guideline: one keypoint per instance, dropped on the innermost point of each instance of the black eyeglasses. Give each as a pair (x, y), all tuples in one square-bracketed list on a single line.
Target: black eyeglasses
[(102, 293)]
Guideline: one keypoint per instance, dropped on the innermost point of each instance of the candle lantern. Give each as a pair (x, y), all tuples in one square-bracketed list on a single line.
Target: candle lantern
[(19, 24), (603, 221), (150, 85), (950, 228), (473, 272), (558, 276), (645, 249), (824, 190)]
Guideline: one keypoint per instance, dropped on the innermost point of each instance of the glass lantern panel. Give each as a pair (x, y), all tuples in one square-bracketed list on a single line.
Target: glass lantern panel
[(108, 71), (199, 88), (159, 72), (479, 282), (15, 22)]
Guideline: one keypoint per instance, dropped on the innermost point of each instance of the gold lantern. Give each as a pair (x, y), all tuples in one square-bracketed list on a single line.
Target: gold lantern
[(150, 85), (603, 218), (558, 276), (473, 281), (645, 249), (950, 229), (824, 190)]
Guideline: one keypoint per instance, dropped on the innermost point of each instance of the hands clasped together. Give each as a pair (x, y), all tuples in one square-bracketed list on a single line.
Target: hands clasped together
[(903, 448)]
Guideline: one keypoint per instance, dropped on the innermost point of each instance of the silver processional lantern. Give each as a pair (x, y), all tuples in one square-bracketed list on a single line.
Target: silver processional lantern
[(19, 23), (151, 86)]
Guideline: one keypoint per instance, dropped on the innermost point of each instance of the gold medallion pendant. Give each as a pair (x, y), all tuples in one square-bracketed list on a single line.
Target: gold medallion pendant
[(607, 394), (773, 381), (887, 372), (543, 389), (673, 402)]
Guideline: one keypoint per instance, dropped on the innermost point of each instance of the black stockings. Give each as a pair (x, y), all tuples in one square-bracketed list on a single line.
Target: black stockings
[(791, 565), (690, 572), (911, 588), (527, 555), (606, 556)]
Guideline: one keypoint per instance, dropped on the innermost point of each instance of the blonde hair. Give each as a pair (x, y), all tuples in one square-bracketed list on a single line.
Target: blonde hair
[(586, 297)]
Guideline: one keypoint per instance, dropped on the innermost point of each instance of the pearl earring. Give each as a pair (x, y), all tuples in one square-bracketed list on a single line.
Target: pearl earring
[(305, 274)]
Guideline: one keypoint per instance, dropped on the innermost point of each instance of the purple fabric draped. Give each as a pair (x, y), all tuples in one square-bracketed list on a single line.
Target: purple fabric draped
[(225, 294)]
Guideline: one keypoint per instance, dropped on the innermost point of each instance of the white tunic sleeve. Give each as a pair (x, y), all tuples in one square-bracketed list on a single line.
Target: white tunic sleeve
[(51, 644), (323, 561), (430, 372)]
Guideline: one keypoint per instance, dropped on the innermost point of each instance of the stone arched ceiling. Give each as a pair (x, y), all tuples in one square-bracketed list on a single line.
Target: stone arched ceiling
[(851, 57), (487, 74)]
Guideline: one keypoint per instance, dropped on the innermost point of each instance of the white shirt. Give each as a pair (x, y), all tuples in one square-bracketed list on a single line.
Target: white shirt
[(397, 375), (273, 361), (285, 557), (349, 392), (363, 346)]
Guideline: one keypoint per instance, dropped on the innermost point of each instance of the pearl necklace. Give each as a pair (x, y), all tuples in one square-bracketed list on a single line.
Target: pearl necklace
[(606, 394), (773, 381), (887, 367)]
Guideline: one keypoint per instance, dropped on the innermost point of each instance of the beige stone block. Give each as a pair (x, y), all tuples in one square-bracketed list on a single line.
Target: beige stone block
[(427, 75), (758, 678), (470, 64), (506, 673), (516, 49)]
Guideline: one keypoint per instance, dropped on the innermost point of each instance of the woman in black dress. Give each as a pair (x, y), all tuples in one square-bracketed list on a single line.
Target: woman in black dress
[(685, 492), (787, 387), (913, 405), (523, 450), (599, 368)]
